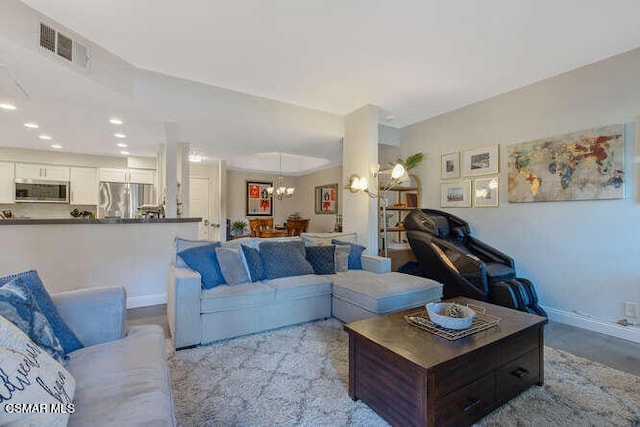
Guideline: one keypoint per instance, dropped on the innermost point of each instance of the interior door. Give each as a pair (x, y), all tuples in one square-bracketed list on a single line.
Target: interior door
[(199, 205)]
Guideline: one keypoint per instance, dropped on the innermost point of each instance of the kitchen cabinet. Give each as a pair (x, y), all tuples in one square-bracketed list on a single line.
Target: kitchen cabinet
[(83, 186), (141, 176), (113, 175), (41, 172), (6, 182)]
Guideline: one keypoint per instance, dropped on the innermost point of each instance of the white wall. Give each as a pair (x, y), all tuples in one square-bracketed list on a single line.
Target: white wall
[(305, 198), (78, 256), (582, 256)]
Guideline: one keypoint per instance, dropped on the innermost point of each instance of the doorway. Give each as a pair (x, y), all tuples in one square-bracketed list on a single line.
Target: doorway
[(200, 206)]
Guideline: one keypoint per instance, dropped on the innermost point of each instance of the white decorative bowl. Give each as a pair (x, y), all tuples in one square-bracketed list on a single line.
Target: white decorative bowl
[(435, 308)]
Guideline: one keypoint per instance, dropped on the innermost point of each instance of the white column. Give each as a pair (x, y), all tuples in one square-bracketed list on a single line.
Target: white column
[(184, 172), (171, 168), (359, 152)]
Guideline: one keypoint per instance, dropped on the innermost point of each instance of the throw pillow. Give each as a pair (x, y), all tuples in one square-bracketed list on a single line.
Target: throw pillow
[(254, 263), (180, 245), (65, 335), (284, 259), (355, 252), (324, 239), (18, 306), (30, 376), (232, 266), (203, 260), (322, 259), (342, 257)]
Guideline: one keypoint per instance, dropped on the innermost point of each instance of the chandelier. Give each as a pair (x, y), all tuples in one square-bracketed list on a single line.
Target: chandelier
[(281, 191)]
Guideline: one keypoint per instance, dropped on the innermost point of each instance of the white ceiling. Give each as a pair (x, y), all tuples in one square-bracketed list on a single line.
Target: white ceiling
[(413, 58)]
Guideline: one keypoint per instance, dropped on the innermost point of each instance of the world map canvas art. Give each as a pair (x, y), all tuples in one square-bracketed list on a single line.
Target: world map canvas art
[(584, 165)]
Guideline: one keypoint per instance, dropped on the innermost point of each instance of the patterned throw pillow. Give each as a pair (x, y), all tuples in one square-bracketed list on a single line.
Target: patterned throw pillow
[(322, 258), (35, 378), (18, 306), (65, 335), (232, 266), (284, 259), (254, 263), (203, 260), (355, 252)]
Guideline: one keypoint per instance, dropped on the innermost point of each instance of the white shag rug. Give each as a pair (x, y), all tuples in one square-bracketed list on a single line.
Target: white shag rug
[(298, 375)]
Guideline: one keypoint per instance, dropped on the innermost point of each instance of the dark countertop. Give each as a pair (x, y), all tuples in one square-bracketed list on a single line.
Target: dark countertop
[(56, 221)]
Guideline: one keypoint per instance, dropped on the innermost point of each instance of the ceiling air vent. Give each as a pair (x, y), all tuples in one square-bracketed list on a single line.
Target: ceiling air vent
[(65, 47)]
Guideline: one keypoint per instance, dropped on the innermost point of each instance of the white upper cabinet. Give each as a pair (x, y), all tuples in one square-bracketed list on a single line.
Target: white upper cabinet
[(41, 172), (6, 182), (141, 176), (83, 186), (113, 175)]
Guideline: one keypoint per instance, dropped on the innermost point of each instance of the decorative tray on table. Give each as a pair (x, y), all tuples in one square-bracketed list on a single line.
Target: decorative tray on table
[(482, 321)]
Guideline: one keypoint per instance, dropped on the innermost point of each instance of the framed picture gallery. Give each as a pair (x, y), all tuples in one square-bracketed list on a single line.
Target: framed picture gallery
[(450, 167), (326, 200), (455, 194), (481, 161), (259, 202)]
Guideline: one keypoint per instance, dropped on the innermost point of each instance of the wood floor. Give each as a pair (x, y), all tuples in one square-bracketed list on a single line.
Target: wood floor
[(614, 352)]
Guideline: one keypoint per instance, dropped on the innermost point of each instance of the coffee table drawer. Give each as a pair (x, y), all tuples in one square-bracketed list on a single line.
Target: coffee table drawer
[(467, 404), (518, 375)]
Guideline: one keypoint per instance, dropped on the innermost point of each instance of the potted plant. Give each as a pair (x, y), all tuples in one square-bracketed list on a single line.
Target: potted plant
[(410, 162), (238, 228)]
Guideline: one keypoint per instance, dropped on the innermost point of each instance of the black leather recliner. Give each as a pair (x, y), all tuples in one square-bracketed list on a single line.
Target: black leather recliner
[(466, 266)]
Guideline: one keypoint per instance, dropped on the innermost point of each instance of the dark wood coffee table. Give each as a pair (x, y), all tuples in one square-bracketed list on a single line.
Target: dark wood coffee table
[(410, 376)]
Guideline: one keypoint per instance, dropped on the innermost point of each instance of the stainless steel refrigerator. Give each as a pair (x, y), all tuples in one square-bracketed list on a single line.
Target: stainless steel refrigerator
[(120, 200)]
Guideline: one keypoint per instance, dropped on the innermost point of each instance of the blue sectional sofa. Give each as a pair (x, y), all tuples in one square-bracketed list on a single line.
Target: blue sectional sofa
[(199, 316)]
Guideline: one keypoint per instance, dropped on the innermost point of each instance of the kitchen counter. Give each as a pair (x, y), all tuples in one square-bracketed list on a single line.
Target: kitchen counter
[(56, 221)]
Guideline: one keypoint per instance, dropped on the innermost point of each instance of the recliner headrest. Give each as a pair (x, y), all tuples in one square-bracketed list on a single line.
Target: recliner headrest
[(440, 226)]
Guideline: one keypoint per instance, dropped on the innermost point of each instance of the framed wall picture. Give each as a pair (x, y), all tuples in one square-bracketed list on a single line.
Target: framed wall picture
[(259, 202), (450, 167), (455, 194), (481, 161), (485, 192), (326, 201)]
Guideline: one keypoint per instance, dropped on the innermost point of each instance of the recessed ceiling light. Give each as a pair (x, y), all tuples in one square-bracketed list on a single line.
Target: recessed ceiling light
[(115, 121), (8, 107), (119, 135), (195, 158), (122, 145), (125, 153), (390, 118), (56, 146), (31, 125), (45, 137)]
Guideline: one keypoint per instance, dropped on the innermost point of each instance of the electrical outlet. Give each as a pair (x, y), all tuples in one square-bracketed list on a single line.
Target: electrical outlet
[(631, 309)]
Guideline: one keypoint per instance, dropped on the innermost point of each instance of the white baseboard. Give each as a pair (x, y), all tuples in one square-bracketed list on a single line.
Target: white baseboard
[(146, 300), (629, 333)]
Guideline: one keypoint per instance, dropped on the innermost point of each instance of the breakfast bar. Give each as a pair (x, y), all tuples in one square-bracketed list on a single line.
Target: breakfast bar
[(76, 253)]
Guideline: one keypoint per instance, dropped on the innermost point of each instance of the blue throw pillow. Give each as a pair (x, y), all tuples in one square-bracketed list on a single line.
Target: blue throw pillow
[(254, 263), (284, 259), (19, 306), (203, 259), (355, 252), (322, 258), (30, 278)]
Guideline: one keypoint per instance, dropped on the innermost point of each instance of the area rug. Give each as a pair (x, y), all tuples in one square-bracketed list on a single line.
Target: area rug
[(298, 376)]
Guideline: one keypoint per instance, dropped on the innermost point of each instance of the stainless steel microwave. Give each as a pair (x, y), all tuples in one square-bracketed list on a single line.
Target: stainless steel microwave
[(30, 190)]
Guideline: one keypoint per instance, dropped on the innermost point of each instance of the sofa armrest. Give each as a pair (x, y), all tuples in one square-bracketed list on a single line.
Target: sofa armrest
[(183, 306), (375, 264), (95, 315)]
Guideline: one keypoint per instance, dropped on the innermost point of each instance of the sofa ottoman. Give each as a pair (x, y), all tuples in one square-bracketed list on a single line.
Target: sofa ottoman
[(362, 294)]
